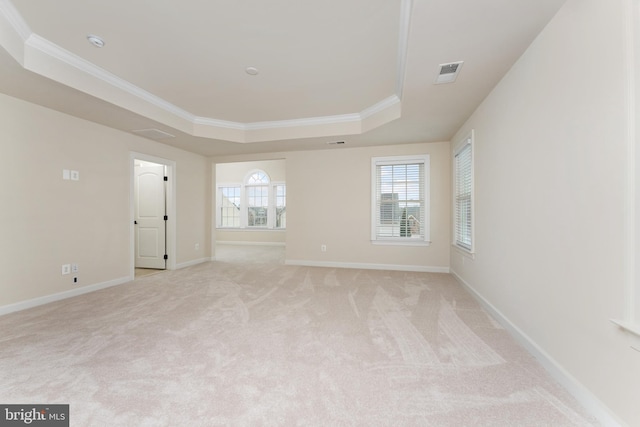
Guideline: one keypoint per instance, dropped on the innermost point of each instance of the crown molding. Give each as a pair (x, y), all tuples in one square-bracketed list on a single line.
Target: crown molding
[(403, 44), (15, 20), (45, 58), (54, 51)]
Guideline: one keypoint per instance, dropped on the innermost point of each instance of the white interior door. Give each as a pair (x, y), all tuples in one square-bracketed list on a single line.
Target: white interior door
[(149, 216)]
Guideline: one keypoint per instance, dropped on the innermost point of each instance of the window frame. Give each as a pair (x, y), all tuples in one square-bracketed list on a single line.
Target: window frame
[(468, 142), (244, 203), (219, 216), (425, 239), (247, 185)]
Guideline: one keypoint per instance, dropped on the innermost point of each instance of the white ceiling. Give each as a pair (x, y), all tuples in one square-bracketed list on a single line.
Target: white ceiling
[(361, 71)]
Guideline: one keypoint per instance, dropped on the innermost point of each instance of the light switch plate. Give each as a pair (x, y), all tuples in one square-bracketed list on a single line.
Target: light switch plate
[(66, 174), (66, 268)]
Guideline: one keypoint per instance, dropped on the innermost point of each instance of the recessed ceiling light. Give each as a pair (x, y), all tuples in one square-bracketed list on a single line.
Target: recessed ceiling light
[(95, 40), (252, 71)]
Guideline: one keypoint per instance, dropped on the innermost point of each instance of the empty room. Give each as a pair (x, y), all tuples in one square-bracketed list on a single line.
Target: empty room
[(356, 212)]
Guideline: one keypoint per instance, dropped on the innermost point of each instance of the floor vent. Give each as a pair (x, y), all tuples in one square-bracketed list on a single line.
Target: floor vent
[(448, 72)]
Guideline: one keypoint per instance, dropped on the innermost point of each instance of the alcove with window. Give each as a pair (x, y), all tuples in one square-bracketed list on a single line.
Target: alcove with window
[(251, 202)]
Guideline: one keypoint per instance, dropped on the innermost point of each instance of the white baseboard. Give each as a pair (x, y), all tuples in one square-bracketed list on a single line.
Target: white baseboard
[(243, 243), (192, 262), (35, 302), (591, 403), (368, 266)]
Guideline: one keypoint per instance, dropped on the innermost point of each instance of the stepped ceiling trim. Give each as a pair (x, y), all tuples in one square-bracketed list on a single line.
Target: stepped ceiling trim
[(47, 59)]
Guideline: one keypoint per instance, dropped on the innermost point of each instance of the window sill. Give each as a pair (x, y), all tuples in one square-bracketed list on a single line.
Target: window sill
[(630, 327), (464, 251), (401, 243)]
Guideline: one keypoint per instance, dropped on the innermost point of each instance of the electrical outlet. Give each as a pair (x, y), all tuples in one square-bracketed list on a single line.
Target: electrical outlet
[(75, 280), (323, 248), (66, 269), (75, 176)]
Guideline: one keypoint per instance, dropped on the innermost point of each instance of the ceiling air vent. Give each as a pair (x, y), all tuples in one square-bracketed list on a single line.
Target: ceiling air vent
[(153, 133), (448, 72)]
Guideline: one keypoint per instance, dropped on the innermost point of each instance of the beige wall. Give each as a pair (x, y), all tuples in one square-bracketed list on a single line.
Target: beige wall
[(228, 173), (550, 162), (236, 172), (48, 221), (329, 202)]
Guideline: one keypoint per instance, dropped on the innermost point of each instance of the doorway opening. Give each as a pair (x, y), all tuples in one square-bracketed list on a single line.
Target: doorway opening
[(152, 212), (250, 208)]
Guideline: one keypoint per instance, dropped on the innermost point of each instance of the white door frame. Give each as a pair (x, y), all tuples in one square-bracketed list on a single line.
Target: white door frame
[(171, 208)]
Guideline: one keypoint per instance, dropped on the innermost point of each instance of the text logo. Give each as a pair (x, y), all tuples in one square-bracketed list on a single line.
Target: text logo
[(34, 415)]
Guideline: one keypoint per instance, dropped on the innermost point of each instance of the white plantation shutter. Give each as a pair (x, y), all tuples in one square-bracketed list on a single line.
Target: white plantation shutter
[(399, 199), (463, 165)]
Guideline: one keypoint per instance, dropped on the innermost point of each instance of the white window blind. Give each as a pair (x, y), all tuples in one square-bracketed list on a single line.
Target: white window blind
[(463, 164), (399, 199)]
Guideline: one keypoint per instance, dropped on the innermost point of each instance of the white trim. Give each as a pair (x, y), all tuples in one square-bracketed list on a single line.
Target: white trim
[(368, 266), (192, 262), (243, 243), (379, 107), (400, 241), (353, 123), (13, 17), (469, 139), (590, 402), (52, 50), (463, 251), (403, 45), (251, 229), (224, 124), (35, 302), (633, 328), (309, 121), (425, 160), (632, 219)]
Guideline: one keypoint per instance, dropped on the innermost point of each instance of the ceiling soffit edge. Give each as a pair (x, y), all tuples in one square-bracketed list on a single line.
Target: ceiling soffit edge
[(47, 59)]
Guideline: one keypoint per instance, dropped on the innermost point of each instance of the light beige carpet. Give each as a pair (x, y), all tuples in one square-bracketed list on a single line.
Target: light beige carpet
[(242, 343)]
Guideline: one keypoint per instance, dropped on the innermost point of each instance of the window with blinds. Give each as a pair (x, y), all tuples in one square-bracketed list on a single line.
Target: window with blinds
[(463, 197), (400, 199)]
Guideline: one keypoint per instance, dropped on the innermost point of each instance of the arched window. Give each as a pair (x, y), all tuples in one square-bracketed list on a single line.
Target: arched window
[(257, 178), (256, 202)]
